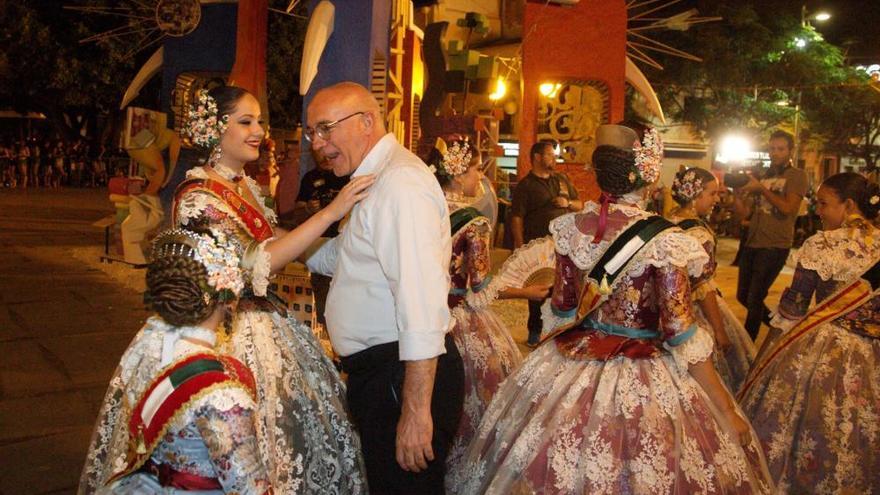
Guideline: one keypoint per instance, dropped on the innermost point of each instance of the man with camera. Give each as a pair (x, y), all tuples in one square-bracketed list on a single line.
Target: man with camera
[(771, 202)]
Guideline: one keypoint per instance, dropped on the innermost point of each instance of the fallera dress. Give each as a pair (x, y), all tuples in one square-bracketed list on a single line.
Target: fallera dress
[(209, 439), (733, 363), (609, 405), (488, 351), (814, 395), (304, 433)]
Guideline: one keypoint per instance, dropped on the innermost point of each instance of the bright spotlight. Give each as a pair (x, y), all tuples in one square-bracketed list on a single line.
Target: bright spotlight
[(734, 149), (500, 90), (822, 16)]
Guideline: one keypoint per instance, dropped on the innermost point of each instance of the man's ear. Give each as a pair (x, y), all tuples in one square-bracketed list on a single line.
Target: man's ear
[(369, 120)]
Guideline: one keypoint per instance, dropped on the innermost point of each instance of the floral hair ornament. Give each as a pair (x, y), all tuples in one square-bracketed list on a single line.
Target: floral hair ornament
[(687, 185), (649, 156), (456, 158), (874, 199), (204, 124), (218, 256)]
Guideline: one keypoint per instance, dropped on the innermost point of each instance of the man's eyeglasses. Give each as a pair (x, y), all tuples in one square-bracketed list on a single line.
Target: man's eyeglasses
[(323, 129)]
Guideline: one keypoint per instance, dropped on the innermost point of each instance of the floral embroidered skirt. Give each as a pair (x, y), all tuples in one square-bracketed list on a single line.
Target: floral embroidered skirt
[(816, 409), (489, 355), (305, 437), (733, 364), (581, 426)]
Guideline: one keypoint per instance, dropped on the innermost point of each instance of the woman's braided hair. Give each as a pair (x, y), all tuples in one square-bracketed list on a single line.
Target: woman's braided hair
[(614, 167), (177, 289)]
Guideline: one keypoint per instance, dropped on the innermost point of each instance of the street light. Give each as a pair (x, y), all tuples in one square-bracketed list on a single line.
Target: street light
[(820, 16)]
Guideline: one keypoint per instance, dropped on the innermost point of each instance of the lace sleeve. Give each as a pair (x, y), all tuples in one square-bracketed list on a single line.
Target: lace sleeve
[(231, 439), (702, 283), (258, 262)]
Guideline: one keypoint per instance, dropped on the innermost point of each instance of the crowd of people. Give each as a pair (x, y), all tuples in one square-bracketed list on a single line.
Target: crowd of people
[(53, 163), (637, 359)]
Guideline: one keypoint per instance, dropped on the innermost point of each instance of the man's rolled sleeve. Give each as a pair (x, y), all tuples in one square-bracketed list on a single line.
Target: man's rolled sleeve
[(323, 260), (412, 246)]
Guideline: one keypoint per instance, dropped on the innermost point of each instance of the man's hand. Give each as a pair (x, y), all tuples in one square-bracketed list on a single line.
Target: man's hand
[(415, 429), (753, 185), (313, 205), (414, 433), (561, 202)]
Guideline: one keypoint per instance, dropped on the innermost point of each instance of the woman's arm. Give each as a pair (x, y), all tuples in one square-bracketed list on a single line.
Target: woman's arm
[(292, 244)]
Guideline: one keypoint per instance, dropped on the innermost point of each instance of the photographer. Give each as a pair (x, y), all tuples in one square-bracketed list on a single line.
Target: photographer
[(771, 204)]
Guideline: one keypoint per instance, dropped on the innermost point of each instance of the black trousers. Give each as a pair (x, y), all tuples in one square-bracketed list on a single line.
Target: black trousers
[(758, 268), (534, 324), (375, 391)]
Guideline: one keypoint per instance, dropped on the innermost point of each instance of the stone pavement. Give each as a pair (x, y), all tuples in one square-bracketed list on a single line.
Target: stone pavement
[(64, 323), (63, 327)]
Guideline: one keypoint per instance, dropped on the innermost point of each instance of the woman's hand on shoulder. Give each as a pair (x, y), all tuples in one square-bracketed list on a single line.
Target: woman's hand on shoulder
[(353, 192)]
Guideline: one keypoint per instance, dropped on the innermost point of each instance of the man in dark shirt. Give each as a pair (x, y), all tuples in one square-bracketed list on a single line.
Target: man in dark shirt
[(318, 188), (539, 197)]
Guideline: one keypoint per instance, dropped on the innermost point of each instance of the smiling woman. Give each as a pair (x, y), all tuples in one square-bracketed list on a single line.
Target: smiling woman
[(304, 437)]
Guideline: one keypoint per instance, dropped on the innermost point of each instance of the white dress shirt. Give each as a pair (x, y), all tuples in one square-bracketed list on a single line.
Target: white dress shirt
[(390, 264)]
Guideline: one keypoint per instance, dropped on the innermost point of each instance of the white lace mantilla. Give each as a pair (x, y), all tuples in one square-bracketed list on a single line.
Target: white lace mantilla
[(671, 247), (840, 254)]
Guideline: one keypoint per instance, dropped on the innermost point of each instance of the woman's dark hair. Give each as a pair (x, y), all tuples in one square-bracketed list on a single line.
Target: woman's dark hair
[(176, 290), (850, 185), (702, 175), (226, 98), (613, 168)]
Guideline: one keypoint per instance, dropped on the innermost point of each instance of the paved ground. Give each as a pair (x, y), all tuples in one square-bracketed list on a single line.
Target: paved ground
[(65, 320), (63, 326)]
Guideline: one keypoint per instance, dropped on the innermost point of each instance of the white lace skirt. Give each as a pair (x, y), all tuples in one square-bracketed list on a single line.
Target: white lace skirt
[(489, 355), (579, 426), (306, 439), (733, 364), (816, 409)]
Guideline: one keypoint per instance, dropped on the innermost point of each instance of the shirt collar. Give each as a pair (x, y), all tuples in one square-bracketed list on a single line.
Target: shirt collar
[(375, 160)]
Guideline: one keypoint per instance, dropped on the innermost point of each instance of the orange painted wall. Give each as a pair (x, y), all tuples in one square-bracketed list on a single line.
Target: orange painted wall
[(580, 42)]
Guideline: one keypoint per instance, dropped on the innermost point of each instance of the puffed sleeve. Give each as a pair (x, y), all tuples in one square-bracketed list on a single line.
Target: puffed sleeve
[(232, 445), (686, 341), (477, 257), (561, 308), (796, 299)]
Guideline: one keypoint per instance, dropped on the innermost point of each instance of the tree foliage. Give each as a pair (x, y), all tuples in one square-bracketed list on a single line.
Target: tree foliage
[(78, 86), (758, 65)]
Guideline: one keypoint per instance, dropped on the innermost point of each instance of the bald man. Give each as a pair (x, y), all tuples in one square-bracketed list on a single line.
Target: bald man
[(386, 311)]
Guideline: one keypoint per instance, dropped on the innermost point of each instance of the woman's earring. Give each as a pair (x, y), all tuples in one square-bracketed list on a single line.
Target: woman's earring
[(216, 153)]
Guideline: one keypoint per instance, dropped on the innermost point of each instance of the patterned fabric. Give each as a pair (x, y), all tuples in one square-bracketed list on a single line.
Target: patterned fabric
[(212, 437), (733, 364), (303, 429), (816, 407), (487, 349), (567, 422)]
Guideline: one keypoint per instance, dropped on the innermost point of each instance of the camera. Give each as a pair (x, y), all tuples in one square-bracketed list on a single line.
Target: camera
[(736, 179)]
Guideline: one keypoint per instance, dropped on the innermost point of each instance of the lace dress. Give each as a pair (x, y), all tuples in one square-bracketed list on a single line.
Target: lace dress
[(816, 405), (733, 364), (212, 438), (591, 412), (305, 436), (487, 349)]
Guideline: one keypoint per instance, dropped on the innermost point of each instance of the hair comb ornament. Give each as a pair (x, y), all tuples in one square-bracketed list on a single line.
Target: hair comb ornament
[(218, 256), (204, 125)]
